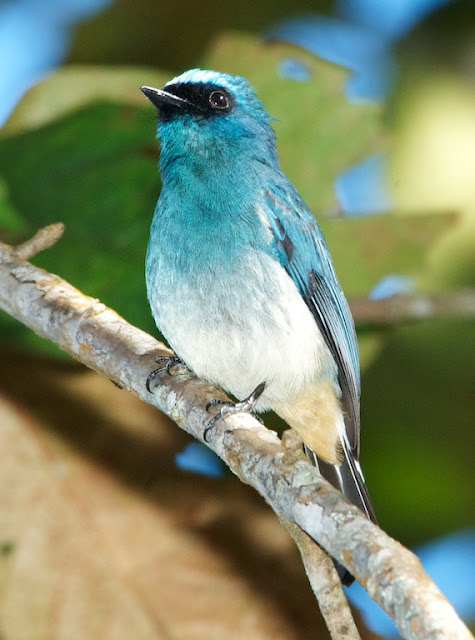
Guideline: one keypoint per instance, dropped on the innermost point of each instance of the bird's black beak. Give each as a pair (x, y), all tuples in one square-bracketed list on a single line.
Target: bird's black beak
[(159, 97)]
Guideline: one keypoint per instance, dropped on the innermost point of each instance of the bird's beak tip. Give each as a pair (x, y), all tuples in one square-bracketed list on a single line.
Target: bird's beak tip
[(147, 91), (160, 97)]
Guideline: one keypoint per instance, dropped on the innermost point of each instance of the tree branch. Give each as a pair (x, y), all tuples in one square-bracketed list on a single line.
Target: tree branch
[(325, 584), (408, 307), (99, 338)]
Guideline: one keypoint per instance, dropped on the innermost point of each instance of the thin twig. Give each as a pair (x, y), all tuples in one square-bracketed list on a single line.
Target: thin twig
[(326, 585), (99, 338), (43, 239)]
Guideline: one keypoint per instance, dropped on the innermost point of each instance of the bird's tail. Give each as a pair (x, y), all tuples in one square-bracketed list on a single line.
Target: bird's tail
[(347, 478)]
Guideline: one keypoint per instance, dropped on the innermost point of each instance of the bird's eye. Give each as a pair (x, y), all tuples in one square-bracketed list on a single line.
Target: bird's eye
[(218, 100)]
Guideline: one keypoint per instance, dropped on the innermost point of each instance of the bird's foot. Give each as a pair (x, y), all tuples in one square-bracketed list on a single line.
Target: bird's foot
[(229, 408), (170, 362)]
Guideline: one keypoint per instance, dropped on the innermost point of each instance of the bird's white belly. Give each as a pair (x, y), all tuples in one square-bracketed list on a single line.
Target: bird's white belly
[(250, 327)]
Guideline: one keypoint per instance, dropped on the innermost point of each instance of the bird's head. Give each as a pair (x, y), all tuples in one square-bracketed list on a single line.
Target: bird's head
[(210, 115)]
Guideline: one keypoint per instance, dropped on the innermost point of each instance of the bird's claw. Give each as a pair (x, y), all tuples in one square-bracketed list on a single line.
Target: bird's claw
[(229, 408), (170, 363)]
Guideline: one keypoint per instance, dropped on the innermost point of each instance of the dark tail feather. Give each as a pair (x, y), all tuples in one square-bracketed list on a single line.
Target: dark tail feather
[(348, 479)]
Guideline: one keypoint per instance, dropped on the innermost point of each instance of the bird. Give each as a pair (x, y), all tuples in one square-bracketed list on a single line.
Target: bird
[(239, 277)]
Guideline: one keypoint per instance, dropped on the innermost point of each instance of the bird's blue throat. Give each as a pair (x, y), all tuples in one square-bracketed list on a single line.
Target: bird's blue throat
[(215, 181)]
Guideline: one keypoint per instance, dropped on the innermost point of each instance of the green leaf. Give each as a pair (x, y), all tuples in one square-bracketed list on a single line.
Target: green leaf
[(71, 88), (95, 170), (318, 132)]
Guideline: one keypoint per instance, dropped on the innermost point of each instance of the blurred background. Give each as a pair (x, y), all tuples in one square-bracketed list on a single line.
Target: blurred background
[(113, 524)]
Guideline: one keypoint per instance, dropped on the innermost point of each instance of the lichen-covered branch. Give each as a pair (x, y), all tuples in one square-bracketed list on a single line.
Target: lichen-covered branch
[(99, 338)]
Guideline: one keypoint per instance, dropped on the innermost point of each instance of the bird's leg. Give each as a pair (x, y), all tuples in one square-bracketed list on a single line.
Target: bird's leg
[(170, 362), (229, 408)]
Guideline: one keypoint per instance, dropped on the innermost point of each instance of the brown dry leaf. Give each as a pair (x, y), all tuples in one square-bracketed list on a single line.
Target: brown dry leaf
[(101, 537)]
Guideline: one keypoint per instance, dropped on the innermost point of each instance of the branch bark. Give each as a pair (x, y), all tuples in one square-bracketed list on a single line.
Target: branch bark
[(99, 338)]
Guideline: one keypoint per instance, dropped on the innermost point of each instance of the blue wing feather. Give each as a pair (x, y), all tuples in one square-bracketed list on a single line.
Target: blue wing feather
[(302, 251)]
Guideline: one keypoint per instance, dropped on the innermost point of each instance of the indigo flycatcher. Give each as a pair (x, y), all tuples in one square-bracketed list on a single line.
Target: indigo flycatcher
[(240, 279)]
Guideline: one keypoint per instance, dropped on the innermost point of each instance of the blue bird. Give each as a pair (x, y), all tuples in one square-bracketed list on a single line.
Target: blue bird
[(240, 279)]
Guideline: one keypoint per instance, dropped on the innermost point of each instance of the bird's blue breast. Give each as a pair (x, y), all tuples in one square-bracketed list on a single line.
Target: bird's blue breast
[(206, 219), (200, 232)]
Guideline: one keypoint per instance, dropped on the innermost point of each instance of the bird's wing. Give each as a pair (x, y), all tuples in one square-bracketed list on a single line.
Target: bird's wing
[(302, 251)]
